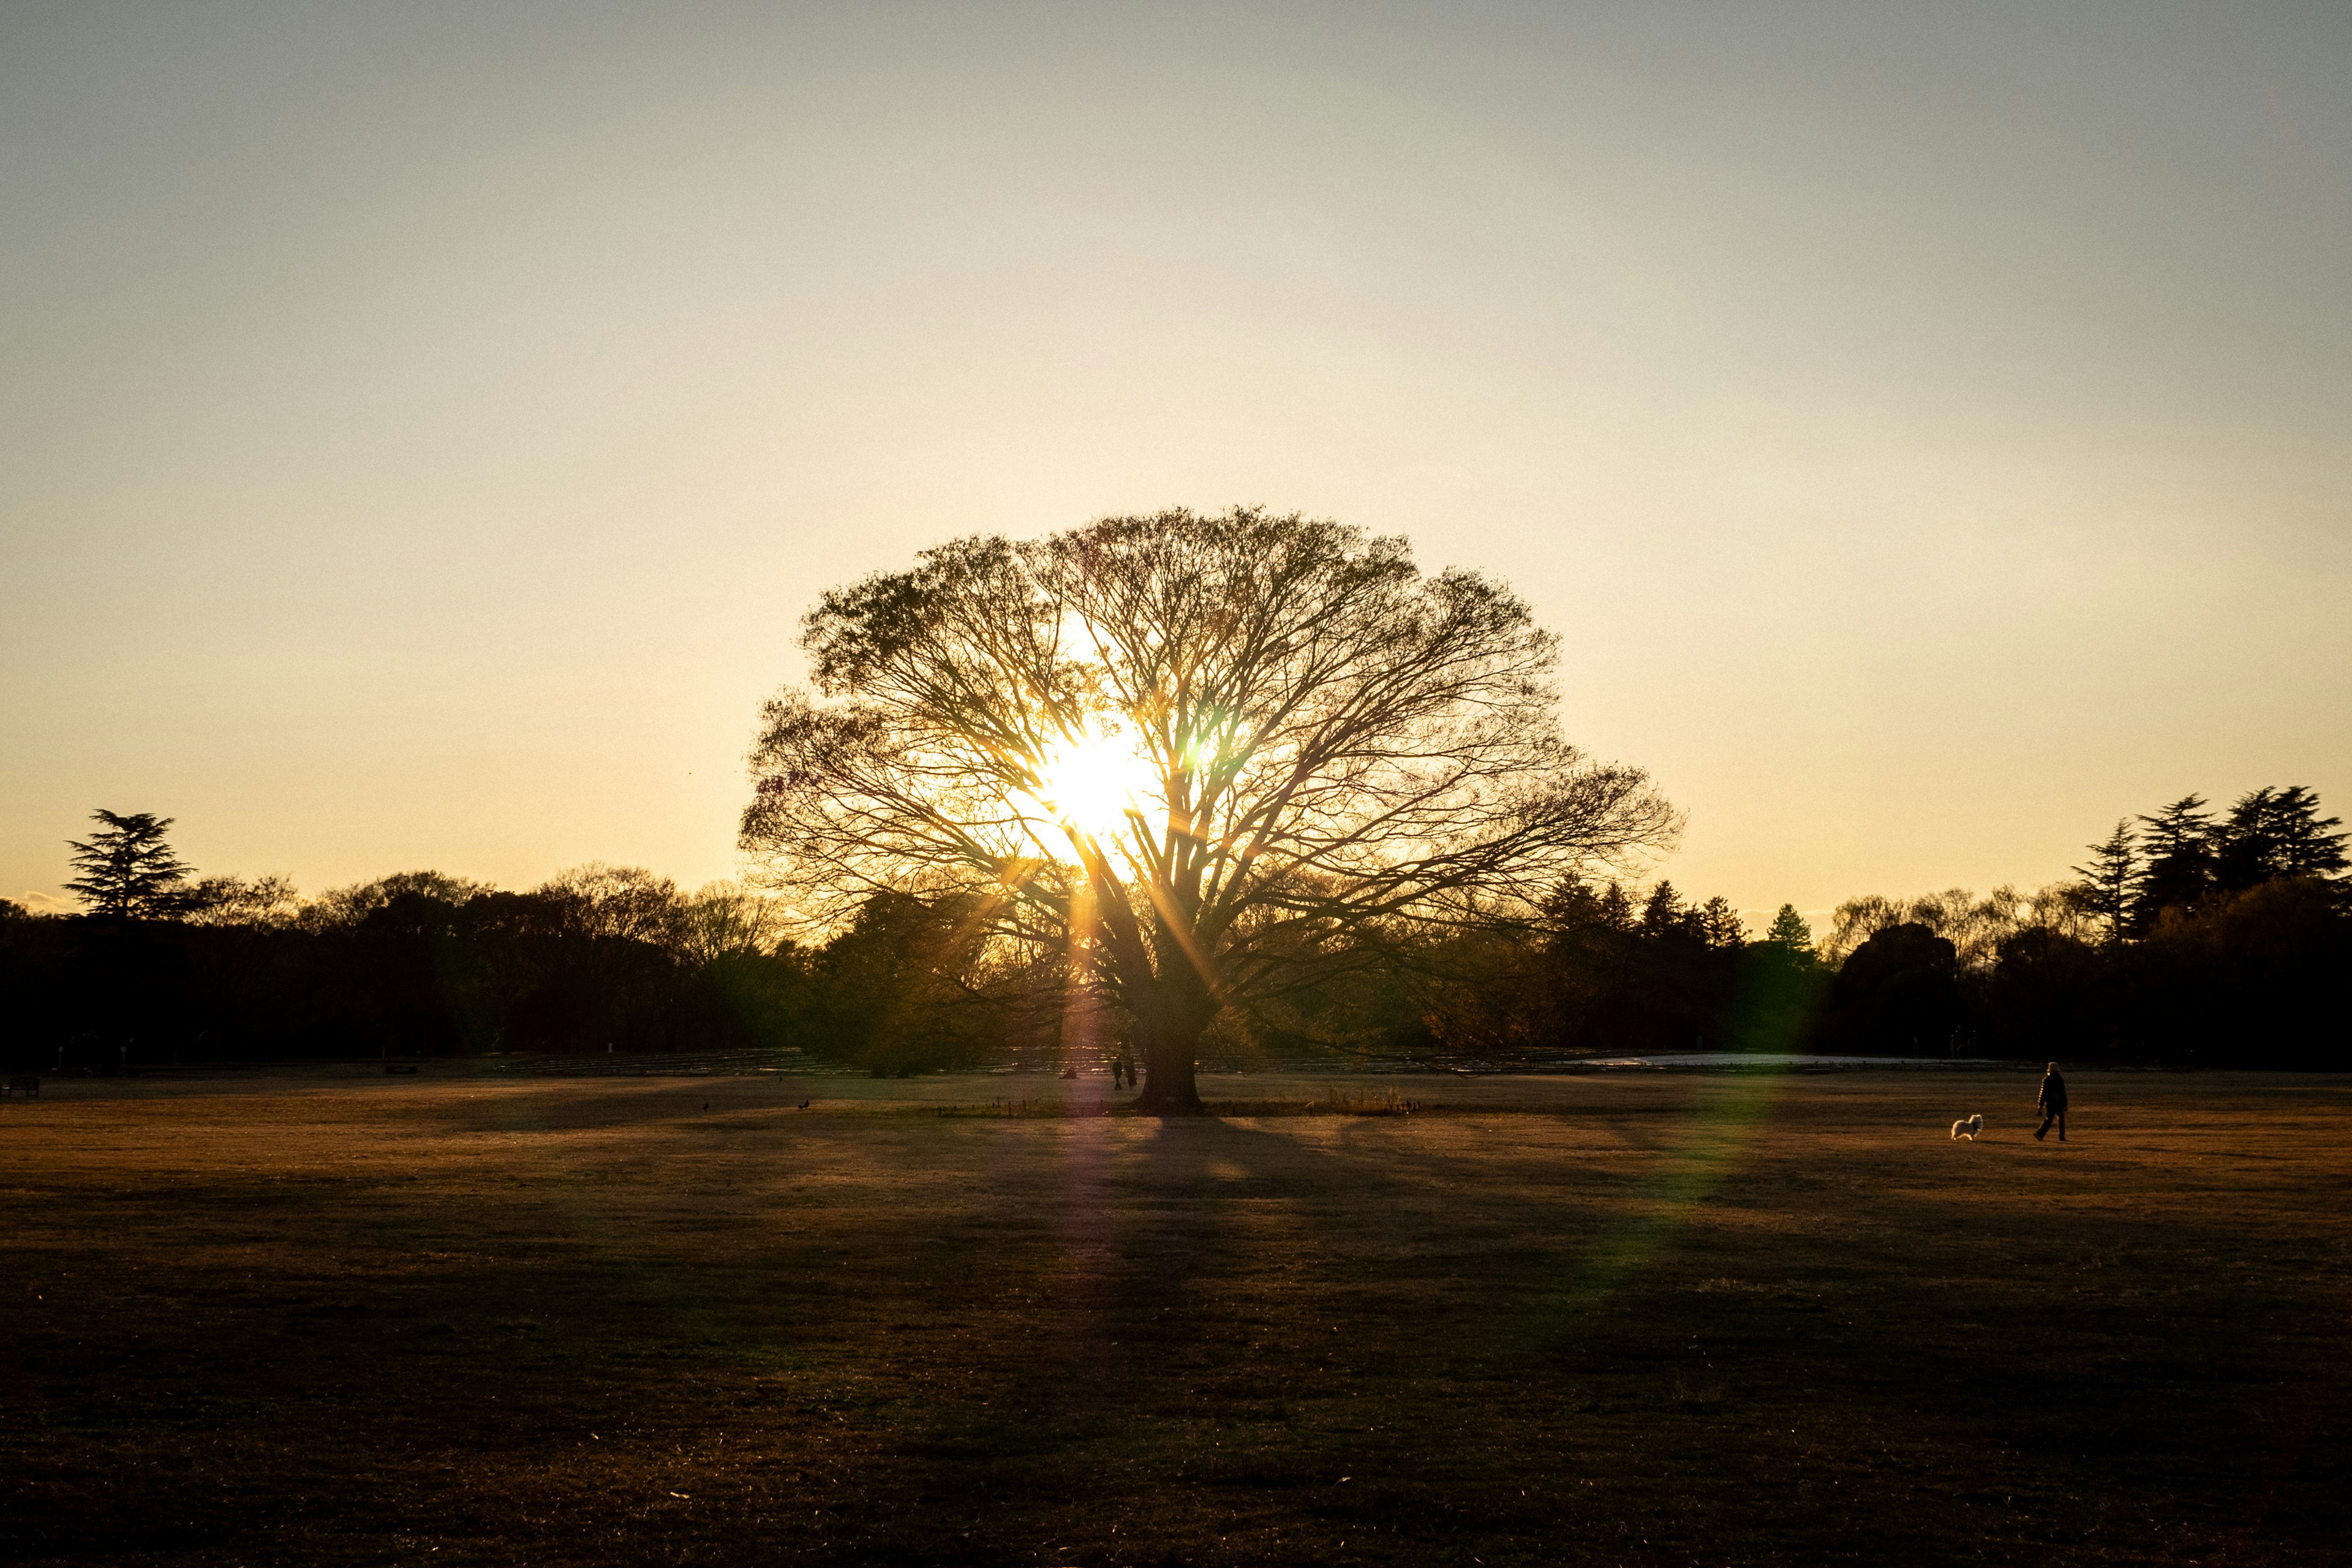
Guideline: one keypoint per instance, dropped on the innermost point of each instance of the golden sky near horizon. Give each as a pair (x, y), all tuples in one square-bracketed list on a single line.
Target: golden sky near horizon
[(423, 427)]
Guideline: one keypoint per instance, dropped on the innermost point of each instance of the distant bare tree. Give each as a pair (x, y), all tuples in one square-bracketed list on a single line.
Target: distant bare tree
[(343, 907), (1975, 927), (1858, 920), (724, 917), (627, 901), (1190, 754), (244, 901)]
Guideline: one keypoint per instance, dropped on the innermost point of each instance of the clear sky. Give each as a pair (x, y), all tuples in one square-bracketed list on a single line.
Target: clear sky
[(423, 426)]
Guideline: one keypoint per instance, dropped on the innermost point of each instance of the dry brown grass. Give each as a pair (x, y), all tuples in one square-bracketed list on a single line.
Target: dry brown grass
[(1728, 1321)]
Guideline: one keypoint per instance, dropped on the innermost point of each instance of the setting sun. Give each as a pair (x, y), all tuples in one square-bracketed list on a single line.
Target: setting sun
[(1091, 782)]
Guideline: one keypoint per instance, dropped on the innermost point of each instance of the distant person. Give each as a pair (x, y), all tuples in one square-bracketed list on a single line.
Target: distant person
[(2052, 1103)]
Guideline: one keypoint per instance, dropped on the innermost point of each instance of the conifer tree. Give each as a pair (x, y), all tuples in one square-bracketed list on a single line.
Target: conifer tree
[(1663, 912), (1721, 924), (2245, 843), (127, 870), (2306, 845), (2179, 873), (1789, 931), (2108, 880), (2274, 833)]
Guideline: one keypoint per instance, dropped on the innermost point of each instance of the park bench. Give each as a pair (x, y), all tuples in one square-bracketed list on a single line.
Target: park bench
[(27, 1083)]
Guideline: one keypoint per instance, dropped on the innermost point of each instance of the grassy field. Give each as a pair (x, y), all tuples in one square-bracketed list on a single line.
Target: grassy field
[(1717, 1319)]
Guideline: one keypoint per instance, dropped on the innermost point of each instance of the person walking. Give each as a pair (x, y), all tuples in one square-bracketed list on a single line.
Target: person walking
[(2052, 1103)]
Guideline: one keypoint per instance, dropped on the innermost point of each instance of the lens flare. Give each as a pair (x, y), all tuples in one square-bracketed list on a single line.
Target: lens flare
[(1090, 783)]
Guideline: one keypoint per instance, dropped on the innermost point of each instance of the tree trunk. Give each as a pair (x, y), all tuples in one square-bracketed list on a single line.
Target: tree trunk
[(1169, 1058), (1179, 1015), (1172, 1006)]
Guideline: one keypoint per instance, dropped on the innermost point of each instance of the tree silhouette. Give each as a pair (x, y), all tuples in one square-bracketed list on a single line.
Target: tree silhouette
[(1856, 922), (1614, 909), (244, 901), (1192, 755), (2179, 872), (1721, 924), (128, 871), (2306, 844), (1789, 931), (2274, 833), (1663, 913), (2108, 880), (1898, 991)]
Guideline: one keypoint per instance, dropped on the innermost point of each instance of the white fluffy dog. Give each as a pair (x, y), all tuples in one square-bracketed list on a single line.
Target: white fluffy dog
[(1967, 1127)]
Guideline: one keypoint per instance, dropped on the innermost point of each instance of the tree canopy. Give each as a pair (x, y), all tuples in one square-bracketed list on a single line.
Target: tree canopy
[(127, 870), (2109, 878), (1190, 753), (1790, 931)]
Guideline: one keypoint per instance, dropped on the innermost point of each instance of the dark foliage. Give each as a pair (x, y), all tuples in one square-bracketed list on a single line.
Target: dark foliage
[(2205, 938), (910, 988), (434, 973), (422, 964), (2217, 940), (2050, 994), (2257, 977), (1899, 995)]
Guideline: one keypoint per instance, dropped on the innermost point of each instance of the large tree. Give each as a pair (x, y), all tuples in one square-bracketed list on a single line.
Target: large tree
[(2274, 833), (2178, 872), (127, 870), (1199, 757), (2108, 880)]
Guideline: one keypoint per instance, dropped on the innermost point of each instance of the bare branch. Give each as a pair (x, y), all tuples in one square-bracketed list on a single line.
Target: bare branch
[(1314, 738)]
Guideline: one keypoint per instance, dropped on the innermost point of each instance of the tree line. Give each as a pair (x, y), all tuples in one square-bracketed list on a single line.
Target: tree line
[(165, 967), (1194, 787), (2190, 935)]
